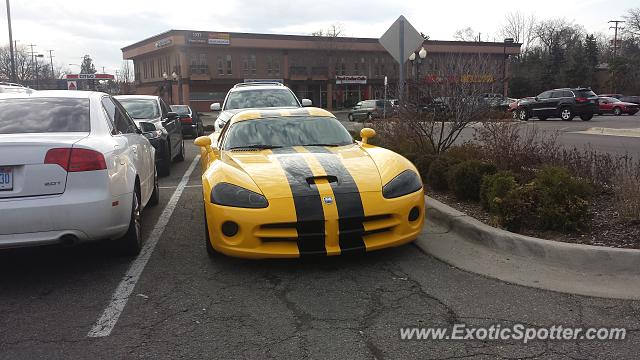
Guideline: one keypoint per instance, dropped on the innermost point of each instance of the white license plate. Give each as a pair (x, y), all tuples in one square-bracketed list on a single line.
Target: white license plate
[(6, 178)]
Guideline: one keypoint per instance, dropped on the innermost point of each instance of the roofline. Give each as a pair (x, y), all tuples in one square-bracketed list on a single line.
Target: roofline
[(310, 38)]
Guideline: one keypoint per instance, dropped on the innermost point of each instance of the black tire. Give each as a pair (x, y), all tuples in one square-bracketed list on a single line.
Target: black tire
[(155, 195), (350, 117), (164, 165), (566, 114), (617, 111), (542, 118), (180, 156), (131, 243), (586, 117), (523, 115), (210, 250), (514, 114)]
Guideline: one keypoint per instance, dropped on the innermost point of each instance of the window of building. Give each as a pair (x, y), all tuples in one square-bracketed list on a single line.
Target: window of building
[(229, 65), (276, 66), (245, 65), (269, 65), (363, 67), (252, 64), (220, 66), (153, 72)]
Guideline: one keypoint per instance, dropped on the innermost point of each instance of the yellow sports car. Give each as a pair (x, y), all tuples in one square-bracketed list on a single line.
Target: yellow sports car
[(294, 183)]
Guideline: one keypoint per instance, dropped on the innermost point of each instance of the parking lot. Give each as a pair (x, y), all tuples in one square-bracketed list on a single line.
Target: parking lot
[(186, 305)]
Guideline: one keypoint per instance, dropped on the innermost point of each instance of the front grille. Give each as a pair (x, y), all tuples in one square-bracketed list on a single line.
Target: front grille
[(369, 225)]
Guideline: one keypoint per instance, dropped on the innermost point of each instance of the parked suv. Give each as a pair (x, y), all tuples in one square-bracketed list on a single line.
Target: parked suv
[(371, 109), (167, 138), (560, 103), (255, 95)]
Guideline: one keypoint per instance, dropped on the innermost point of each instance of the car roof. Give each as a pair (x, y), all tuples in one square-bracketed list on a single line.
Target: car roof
[(261, 87), (148, 97), (78, 94), (253, 114)]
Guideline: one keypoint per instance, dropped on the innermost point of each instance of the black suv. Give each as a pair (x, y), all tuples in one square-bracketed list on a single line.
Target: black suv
[(560, 103)]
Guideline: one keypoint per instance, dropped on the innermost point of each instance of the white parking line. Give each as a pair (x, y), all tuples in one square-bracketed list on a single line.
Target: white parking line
[(173, 187), (111, 313)]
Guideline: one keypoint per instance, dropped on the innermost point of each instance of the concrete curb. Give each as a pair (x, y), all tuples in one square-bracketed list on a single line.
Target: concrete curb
[(573, 268)]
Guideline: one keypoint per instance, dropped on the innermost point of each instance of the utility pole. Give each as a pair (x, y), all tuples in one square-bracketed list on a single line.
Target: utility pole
[(615, 51), (31, 64), (51, 59), (11, 49)]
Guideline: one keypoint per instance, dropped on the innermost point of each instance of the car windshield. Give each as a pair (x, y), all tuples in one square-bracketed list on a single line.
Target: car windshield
[(180, 109), (141, 108), (44, 115), (614, 100), (261, 98), (287, 131)]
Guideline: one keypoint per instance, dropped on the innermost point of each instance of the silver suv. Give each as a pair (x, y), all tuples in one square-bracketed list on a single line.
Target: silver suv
[(255, 95)]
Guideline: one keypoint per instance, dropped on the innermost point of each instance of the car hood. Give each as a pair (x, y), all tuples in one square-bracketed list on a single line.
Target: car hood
[(347, 168)]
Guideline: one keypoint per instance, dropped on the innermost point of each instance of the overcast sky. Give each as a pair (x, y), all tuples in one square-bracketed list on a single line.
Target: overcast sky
[(73, 28)]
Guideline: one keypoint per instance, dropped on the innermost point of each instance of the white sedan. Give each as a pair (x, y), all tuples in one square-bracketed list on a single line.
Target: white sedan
[(73, 167)]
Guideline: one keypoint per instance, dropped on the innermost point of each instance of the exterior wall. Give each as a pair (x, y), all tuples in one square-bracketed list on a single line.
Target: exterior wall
[(308, 65)]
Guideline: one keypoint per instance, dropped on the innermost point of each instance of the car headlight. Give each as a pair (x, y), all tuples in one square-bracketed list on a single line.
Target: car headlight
[(153, 134), (232, 195), (405, 183)]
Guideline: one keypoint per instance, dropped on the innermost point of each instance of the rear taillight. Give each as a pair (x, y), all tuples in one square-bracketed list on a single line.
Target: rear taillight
[(187, 120), (76, 160), (581, 100)]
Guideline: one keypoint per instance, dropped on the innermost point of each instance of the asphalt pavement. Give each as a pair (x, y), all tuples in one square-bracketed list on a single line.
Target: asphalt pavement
[(186, 305)]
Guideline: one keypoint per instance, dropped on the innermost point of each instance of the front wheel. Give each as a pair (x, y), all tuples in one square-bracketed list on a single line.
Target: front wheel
[(617, 111), (514, 114), (566, 114), (350, 117), (523, 115), (586, 117), (210, 250)]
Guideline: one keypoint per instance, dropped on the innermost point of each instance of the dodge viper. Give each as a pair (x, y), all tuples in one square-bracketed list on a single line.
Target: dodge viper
[(294, 183)]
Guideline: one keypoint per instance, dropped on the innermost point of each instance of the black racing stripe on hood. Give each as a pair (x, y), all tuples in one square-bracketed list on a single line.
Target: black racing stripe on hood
[(347, 200), (307, 202)]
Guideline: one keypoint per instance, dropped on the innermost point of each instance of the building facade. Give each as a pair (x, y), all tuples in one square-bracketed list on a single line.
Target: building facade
[(199, 67)]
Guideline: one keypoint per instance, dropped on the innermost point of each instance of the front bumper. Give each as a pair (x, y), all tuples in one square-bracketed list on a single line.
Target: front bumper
[(271, 232)]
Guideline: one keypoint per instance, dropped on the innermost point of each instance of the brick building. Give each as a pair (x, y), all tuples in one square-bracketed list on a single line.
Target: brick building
[(332, 72)]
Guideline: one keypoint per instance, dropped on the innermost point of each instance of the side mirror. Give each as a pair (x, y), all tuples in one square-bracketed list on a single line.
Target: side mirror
[(203, 141), (215, 107), (172, 115), (147, 127), (307, 102), (366, 134)]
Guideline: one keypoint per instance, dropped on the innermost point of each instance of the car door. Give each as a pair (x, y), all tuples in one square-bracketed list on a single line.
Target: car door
[(142, 152), (540, 106), (172, 126), (604, 105), (356, 111), (121, 156)]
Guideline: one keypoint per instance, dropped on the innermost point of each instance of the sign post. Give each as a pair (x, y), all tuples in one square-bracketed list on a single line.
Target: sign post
[(400, 40)]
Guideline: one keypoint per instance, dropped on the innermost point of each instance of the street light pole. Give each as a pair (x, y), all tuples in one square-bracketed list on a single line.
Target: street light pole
[(11, 49)]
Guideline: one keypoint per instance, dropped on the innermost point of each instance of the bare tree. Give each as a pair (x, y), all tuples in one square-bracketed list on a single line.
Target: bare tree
[(633, 22), (333, 31), (434, 114), (521, 28), (466, 34)]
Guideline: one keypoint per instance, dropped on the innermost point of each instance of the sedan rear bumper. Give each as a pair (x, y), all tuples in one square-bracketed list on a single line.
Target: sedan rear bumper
[(89, 212)]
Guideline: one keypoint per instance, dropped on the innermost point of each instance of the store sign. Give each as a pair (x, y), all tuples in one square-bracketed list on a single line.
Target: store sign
[(351, 79), (218, 39), (164, 42), (199, 37), (89, 76)]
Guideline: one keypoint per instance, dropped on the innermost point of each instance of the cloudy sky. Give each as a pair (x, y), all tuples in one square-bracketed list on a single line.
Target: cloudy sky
[(73, 28)]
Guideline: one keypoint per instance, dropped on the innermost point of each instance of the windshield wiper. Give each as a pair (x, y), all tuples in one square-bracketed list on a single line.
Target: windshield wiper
[(324, 144), (256, 146)]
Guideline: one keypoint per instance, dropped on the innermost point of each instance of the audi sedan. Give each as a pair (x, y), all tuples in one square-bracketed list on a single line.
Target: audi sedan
[(74, 167)]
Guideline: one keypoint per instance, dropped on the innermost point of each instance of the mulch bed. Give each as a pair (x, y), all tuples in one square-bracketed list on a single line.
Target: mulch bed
[(606, 229)]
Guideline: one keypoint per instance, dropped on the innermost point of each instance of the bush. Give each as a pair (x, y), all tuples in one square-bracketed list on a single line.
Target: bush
[(464, 178), (494, 188), (464, 152), (552, 201), (437, 176), (626, 189), (423, 163)]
